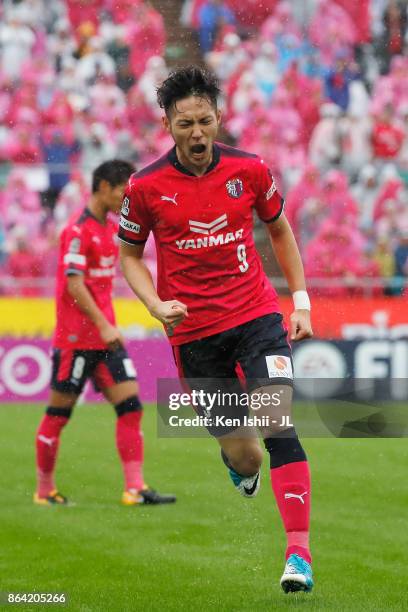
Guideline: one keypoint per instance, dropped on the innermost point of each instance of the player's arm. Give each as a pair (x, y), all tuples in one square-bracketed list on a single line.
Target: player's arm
[(287, 254), (170, 313), (84, 300)]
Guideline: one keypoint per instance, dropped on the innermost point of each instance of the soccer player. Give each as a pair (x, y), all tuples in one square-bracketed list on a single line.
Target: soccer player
[(87, 344), (213, 297)]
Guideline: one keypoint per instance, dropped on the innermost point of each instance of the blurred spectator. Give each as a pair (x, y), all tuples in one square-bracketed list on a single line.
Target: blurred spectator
[(401, 259), (229, 57), (25, 263), (17, 41), (3, 252), (95, 63), (303, 12), (395, 25), (325, 143), (337, 251), (338, 197), (107, 100), (384, 258), (252, 13), (155, 73), (21, 147), (265, 69), (292, 158), (71, 198), (96, 147), (213, 15), (387, 136), (338, 79), (80, 11), (306, 191), (84, 34), (20, 206), (281, 24), (121, 10), (119, 50), (365, 193), (61, 45), (332, 31), (145, 35), (57, 153), (355, 134)]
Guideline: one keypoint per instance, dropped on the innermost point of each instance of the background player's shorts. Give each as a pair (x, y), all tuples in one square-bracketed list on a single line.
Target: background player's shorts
[(250, 356), (72, 368)]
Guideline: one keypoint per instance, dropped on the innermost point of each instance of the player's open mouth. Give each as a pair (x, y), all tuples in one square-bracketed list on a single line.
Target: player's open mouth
[(198, 151)]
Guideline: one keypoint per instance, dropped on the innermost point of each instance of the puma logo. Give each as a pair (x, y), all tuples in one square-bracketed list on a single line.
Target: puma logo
[(168, 199), (289, 495), (49, 441)]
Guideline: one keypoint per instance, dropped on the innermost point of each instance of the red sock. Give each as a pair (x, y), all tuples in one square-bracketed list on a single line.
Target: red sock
[(47, 442), (129, 442), (291, 485)]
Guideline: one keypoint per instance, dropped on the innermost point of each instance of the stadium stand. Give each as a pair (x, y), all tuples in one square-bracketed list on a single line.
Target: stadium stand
[(318, 88)]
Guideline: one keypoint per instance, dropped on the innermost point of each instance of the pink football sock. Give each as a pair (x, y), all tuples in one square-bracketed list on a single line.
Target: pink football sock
[(129, 442), (291, 486)]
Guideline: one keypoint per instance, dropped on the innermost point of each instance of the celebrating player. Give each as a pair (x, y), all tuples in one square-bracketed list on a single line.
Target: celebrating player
[(218, 307), (87, 344)]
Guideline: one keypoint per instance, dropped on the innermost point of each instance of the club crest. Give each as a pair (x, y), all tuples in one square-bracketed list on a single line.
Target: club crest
[(125, 207), (235, 188)]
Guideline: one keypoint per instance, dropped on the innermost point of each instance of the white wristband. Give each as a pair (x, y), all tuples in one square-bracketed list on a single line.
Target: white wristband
[(301, 300)]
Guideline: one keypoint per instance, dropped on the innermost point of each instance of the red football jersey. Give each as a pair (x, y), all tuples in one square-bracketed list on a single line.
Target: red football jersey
[(203, 228), (89, 248)]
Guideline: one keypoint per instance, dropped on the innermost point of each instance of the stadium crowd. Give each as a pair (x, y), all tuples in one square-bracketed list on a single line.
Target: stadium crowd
[(319, 88)]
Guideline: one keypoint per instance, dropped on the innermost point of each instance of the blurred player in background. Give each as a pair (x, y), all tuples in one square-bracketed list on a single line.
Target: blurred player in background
[(214, 299), (87, 343)]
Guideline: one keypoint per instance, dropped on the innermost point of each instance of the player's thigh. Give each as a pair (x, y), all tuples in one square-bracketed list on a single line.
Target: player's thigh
[(70, 370), (118, 393), (115, 376), (207, 368), (207, 358), (272, 407), (62, 400)]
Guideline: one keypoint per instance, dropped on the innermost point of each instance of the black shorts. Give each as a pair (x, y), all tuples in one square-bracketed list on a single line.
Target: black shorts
[(247, 357), (71, 368)]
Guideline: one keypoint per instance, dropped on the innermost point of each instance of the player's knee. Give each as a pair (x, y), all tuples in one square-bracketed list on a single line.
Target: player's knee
[(246, 460), (131, 404), (59, 412), (284, 448)]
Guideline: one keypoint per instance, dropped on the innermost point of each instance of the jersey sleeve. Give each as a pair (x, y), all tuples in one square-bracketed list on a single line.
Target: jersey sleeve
[(135, 222), (75, 246), (269, 203)]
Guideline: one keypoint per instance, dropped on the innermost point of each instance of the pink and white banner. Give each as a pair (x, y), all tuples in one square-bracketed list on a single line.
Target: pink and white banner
[(25, 368)]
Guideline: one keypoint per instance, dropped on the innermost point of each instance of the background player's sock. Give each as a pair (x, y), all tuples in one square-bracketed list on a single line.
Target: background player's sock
[(290, 478), (129, 441), (47, 443)]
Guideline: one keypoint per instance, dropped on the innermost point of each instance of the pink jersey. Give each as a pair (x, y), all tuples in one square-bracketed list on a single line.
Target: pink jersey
[(89, 248), (203, 228)]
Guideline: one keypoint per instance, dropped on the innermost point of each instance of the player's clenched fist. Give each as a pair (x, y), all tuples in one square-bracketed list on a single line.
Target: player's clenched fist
[(170, 313), (300, 326), (111, 336)]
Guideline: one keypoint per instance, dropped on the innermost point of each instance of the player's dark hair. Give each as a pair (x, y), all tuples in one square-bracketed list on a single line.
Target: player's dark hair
[(114, 171), (185, 82)]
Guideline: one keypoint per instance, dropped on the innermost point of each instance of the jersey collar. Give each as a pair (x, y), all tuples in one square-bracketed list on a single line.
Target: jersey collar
[(87, 214), (173, 159)]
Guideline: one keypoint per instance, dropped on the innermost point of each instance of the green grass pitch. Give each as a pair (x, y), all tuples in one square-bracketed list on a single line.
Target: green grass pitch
[(213, 549)]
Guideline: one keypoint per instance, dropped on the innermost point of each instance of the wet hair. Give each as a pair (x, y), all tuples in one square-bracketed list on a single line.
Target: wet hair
[(114, 171), (185, 82)]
